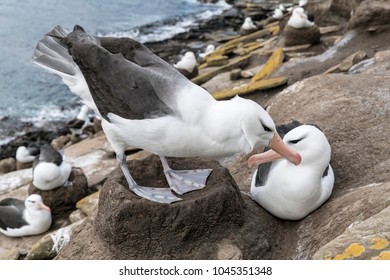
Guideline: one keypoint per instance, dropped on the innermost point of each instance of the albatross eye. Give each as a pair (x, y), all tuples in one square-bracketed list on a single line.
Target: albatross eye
[(266, 128), (295, 141)]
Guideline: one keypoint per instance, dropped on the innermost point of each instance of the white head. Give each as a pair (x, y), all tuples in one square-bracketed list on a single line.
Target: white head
[(34, 203), (259, 130), (308, 141)]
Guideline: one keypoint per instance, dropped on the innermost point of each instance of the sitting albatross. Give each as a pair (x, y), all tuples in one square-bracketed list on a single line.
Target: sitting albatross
[(288, 191), (145, 102), (22, 218)]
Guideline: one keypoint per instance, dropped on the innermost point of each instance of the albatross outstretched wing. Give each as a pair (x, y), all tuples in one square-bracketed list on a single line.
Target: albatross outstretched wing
[(124, 77)]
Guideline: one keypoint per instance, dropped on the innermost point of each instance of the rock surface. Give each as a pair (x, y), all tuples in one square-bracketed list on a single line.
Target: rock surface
[(371, 15), (361, 239), (294, 37), (217, 220)]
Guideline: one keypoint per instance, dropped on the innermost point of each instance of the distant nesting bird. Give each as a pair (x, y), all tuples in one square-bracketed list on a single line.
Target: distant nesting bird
[(277, 14), (288, 191), (248, 26), (23, 218), (50, 171), (299, 19), (210, 48), (81, 121), (26, 154), (188, 65)]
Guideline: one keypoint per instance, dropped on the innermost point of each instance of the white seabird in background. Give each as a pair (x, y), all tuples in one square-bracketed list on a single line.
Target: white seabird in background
[(299, 19), (277, 14), (23, 218), (248, 26), (288, 191), (81, 121), (209, 49), (187, 62), (26, 154), (144, 102), (50, 171)]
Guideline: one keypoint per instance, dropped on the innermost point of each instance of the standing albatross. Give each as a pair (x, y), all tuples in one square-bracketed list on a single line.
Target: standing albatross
[(145, 102)]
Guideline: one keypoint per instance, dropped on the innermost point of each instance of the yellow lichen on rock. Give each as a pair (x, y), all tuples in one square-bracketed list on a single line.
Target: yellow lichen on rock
[(274, 30), (253, 36), (379, 243), (353, 250), (273, 63), (251, 87), (385, 255), (234, 63), (217, 60)]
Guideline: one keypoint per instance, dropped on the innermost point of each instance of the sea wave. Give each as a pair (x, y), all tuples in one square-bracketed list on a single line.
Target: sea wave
[(166, 29)]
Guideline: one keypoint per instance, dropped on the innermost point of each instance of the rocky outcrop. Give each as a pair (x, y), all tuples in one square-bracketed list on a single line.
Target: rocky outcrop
[(302, 36), (371, 16), (215, 222)]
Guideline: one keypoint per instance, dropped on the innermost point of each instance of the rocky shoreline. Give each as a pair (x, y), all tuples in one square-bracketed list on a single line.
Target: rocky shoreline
[(341, 84)]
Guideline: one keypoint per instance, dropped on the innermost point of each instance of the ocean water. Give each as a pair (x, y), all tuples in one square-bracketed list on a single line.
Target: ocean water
[(29, 93)]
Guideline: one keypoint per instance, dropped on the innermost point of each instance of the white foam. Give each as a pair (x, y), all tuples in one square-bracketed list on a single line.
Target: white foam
[(51, 113), (167, 31)]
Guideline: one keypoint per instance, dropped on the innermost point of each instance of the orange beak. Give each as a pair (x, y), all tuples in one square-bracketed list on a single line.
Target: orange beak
[(44, 207), (279, 150)]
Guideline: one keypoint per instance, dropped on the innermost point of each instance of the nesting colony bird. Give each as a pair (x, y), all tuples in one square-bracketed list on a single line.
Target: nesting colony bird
[(26, 154), (50, 171), (299, 19), (277, 14), (209, 49), (23, 218), (288, 191), (187, 65), (144, 102), (301, 29), (248, 26), (81, 121)]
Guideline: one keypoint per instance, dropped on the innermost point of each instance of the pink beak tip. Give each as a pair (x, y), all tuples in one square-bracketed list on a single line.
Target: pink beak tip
[(297, 159)]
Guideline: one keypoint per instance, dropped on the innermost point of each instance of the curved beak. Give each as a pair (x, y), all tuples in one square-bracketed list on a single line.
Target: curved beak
[(44, 207), (279, 150)]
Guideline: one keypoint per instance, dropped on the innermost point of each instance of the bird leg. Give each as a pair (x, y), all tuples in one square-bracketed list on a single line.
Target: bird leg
[(183, 181), (161, 195)]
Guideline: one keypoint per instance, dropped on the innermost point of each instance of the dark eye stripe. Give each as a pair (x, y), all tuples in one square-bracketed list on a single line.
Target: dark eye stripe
[(294, 141), (266, 128)]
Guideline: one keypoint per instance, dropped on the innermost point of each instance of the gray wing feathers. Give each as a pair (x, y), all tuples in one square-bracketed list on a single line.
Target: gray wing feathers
[(51, 54), (11, 213)]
